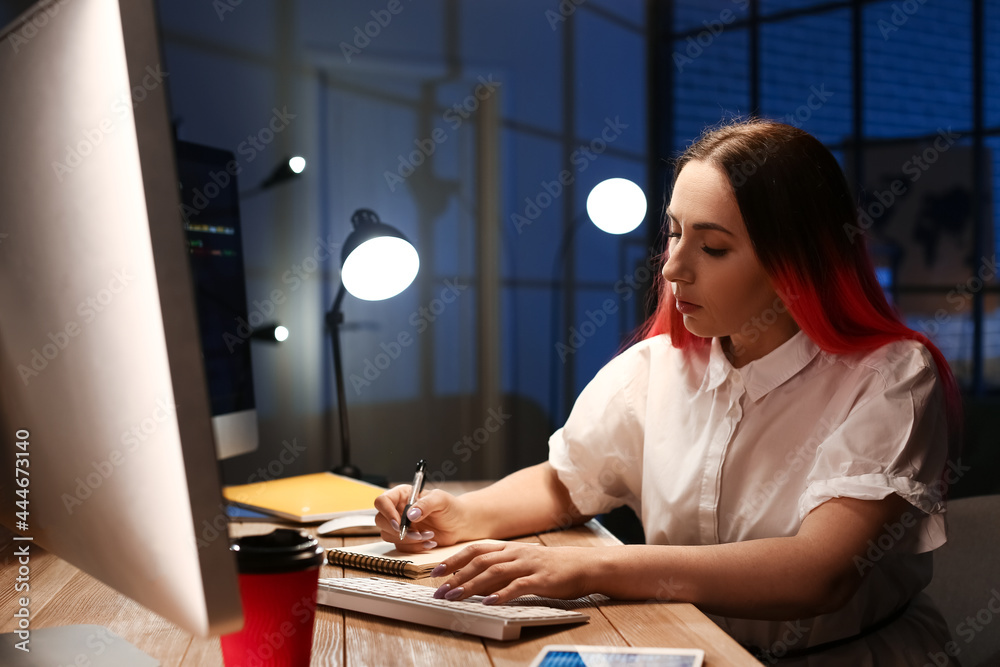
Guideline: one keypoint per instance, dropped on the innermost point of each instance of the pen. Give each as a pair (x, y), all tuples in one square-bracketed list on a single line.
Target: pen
[(418, 486)]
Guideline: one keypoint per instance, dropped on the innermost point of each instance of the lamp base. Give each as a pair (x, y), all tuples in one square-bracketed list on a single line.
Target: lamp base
[(348, 471)]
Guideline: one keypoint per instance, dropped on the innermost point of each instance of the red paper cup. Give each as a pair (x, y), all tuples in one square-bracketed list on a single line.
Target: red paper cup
[(278, 575)]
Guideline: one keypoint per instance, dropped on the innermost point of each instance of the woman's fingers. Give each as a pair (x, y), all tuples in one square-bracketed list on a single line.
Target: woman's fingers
[(480, 569), (430, 518), (432, 503), (390, 504), (504, 572), (460, 560)]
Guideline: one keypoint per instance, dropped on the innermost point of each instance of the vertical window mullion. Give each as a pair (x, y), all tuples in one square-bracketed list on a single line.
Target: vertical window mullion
[(977, 26), (753, 46)]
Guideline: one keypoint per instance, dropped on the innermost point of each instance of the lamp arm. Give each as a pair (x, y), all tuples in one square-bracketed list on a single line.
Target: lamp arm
[(337, 301), (334, 318)]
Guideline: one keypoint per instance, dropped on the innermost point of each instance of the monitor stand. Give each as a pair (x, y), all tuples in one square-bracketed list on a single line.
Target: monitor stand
[(92, 645)]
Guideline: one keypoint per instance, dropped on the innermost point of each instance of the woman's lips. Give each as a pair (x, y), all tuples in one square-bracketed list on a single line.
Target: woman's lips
[(686, 307)]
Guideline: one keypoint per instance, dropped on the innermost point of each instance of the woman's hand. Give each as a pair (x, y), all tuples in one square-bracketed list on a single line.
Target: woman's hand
[(437, 518), (503, 572)]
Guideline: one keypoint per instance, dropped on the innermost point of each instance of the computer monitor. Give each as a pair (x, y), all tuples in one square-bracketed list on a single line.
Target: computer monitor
[(210, 214), (101, 373)]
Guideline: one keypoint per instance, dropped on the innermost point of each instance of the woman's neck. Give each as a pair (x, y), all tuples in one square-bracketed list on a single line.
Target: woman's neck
[(741, 350)]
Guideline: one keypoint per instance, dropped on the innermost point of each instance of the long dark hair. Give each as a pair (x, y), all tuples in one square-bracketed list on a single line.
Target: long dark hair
[(802, 223)]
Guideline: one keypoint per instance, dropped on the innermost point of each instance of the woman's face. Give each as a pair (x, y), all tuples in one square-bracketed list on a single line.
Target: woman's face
[(720, 287)]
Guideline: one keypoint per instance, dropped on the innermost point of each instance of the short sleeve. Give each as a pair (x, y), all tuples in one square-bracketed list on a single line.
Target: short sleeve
[(894, 441), (598, 452)]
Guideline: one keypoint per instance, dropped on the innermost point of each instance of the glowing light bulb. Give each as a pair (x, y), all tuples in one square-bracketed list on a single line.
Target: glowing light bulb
[(616, 206), (380, 268)]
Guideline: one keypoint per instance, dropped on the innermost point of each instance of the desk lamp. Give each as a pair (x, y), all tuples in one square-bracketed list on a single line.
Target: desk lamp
[(377, 262)]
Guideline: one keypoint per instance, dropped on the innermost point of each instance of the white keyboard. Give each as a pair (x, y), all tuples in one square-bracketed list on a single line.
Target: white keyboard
[(414, 603)]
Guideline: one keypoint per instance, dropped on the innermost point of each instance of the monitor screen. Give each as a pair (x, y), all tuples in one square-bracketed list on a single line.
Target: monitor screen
[(102, 383), (210, 214)]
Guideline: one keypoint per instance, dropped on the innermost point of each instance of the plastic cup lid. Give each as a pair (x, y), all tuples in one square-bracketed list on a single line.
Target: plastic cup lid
[(281, 550)]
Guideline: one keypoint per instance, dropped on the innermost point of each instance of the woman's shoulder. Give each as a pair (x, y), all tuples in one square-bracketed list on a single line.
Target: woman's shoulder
[(646, 352), (894, 362), (635, 363)]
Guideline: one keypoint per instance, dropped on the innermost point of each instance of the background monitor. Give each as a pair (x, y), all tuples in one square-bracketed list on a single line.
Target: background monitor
[(101, 369), (210, 214)]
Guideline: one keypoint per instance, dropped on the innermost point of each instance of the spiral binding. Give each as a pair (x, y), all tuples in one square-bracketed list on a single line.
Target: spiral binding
[(378, 564)]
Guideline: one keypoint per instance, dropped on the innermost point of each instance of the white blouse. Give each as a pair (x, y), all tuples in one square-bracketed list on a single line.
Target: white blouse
[(706, 453)]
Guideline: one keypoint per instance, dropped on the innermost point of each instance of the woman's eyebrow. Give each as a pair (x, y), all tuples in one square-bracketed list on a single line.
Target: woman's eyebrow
[(703, 226)]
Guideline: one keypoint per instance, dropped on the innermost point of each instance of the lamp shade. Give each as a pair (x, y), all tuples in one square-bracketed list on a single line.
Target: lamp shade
[(377, 262)]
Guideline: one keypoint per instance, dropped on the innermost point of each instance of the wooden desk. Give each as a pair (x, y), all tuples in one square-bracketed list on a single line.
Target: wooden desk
[(63, 595)]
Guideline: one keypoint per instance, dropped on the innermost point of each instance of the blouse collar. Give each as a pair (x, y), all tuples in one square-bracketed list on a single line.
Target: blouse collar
[(761, 375)]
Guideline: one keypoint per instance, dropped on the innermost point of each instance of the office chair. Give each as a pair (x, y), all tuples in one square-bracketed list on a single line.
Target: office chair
[(966, 585)]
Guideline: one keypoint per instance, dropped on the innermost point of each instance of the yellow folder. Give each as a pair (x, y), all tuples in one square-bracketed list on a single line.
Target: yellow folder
[(305, 498)]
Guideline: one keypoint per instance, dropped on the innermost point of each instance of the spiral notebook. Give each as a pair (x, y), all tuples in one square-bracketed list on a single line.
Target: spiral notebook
[(384, 558)]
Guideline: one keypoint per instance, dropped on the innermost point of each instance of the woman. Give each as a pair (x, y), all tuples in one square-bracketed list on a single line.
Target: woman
[(781, 434)]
